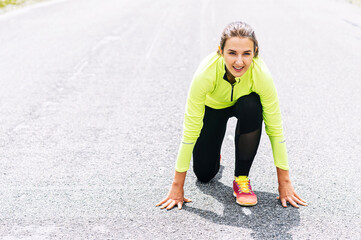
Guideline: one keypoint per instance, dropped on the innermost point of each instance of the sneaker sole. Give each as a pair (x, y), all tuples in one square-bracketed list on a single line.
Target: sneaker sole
[(244, 204)]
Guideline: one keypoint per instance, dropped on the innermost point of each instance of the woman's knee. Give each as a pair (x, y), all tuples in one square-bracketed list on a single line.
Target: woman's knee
[(249, 113), (204, 175), (249, 107), (204, 178)]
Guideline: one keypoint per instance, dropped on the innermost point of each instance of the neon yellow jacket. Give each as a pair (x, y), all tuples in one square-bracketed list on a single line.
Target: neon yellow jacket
[(209, 88)]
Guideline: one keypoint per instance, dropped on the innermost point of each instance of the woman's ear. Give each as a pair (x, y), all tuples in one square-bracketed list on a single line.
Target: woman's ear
[(220, 50)]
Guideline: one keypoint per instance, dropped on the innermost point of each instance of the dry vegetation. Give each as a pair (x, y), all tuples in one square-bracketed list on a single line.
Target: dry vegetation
[(357, 2), (7, 3)]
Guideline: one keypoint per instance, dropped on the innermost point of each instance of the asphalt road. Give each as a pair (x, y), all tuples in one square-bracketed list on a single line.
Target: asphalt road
[(91, 108)]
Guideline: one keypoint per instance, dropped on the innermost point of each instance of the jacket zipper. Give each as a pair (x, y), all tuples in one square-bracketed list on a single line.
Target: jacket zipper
[(232, 93)]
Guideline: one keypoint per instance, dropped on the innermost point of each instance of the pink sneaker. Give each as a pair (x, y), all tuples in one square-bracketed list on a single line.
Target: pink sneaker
[(243, 191)]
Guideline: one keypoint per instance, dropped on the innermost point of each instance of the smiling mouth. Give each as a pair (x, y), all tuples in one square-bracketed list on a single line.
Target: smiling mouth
[(238, 69)]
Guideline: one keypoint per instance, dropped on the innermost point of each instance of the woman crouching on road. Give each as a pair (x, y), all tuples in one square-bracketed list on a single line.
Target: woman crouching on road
[(232, 82)]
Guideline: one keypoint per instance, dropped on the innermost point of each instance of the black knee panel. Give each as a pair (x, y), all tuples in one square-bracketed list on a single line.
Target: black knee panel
[(204, 178), (205, 175), (248, 111)]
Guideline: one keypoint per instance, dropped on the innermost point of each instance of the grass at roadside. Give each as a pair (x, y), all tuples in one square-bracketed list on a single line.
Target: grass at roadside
[(356, 2), (8, 3), (4, 3)]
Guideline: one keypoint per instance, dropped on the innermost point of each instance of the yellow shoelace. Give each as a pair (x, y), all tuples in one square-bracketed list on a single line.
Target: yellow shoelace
[(243, 185)]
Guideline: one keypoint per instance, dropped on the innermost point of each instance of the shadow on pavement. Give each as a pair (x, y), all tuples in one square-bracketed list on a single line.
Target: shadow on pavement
[(268, 219)]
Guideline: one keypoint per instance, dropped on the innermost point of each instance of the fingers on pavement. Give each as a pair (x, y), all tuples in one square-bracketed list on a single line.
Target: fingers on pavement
[(297, 200), (290, 200), (166, 204), (171, 205), (284, 203), (300, 198), (161, 202)]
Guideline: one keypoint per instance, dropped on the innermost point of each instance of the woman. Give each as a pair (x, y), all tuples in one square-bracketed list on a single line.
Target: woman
[(234, 81)]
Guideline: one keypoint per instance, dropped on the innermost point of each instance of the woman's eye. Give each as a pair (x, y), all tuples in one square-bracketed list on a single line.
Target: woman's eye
[(247, 54), (232, 53)]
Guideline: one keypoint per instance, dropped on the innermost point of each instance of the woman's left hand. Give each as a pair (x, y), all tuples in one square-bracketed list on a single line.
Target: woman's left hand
[(288, 194)]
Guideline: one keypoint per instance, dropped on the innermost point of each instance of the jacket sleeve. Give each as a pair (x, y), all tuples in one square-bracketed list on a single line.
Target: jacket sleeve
[(193, 118), (265, 88)]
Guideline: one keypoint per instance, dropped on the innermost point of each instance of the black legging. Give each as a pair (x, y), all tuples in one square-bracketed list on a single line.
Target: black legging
[(206, 153)]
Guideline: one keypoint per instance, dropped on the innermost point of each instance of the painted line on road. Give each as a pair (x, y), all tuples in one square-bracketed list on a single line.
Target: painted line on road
[(160, 28), (246, 211), (105, 41), (79, 69), (207, 23)]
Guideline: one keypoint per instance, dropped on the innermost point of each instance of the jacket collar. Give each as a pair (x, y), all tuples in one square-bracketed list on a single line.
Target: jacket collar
[(237, 79)]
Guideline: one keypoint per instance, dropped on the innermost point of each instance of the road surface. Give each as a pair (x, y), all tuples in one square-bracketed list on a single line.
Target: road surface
[(92, 98)]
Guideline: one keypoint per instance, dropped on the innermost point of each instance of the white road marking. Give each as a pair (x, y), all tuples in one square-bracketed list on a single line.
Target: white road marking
[(78, 69), (207, 31), (160, 28), (203, 26), (105, 41), (246, 211)]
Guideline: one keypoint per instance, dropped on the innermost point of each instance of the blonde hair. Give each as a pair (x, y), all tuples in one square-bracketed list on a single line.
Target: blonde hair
[(239, 29)]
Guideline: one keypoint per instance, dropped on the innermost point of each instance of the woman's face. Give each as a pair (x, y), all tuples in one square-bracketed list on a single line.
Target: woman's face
[(238, 54)]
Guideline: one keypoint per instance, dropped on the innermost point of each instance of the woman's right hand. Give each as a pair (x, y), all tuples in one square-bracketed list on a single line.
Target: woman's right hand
[(175, 198)]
